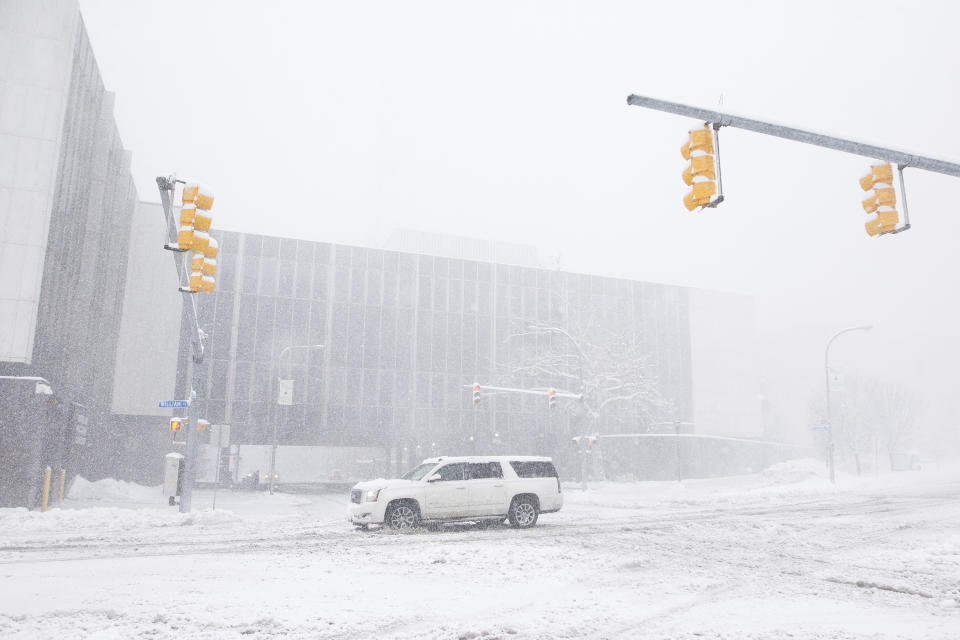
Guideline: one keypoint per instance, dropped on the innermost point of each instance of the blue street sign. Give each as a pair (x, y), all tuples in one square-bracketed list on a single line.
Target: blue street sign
[(820, 427), (164, 404)]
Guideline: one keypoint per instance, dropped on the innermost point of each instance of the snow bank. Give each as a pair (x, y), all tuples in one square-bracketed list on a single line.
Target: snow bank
[(104, 519), (112, 490), (793, 471)]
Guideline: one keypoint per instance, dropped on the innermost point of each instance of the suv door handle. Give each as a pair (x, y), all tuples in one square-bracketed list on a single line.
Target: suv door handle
[(498, 485), (460, 488)]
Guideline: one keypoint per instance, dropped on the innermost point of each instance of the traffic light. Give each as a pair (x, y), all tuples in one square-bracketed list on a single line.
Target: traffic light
[(552, 398), (175, 424), (194, 235), (701, 173), (203, 267), (882, 199), (202, 425), (476, 394), (195, 219)]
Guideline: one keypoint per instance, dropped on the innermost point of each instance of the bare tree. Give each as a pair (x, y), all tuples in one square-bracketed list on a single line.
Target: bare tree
[(871, 415), (616, 377)]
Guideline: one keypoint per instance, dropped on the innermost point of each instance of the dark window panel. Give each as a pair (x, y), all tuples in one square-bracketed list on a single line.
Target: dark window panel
[(261, 382), (268, 276), (484, 299), (226, 275), (356, 286), (242, 381), (355, 338), (341, 284), (336, 386), (271, 247), (406, 292), (370, 387), (339, 334), (385, 399), (218, 379), (389, 288), (371, 337), (391, 261), (285, 271), (422, 392), (251, 274), (455, 296), (246, 327), (304, 276), (251, 245), (320, 286), (373, 286), (440, 294), (438, 390)]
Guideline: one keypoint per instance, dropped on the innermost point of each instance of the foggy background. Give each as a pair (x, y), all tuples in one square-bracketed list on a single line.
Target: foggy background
[(341, 121)]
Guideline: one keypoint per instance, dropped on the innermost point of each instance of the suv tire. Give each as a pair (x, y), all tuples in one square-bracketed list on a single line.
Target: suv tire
[(402, 515), (523, 512)]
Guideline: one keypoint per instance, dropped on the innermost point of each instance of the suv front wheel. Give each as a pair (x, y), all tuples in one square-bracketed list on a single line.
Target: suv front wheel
[(523, 512), (402, 515)]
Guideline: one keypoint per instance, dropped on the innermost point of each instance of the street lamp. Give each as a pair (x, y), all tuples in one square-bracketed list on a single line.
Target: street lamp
[(826, 368), (276, 417)]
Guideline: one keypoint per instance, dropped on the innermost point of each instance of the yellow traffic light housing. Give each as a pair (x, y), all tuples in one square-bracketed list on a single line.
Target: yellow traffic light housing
[(175, 424), (701, 172), (194, 235), (881, 201)]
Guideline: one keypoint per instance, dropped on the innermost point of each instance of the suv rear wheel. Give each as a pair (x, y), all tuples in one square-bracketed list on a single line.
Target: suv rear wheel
[(402, 515), (523, 512)]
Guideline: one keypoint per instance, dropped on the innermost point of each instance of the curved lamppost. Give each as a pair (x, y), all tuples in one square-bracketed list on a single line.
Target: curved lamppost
[(826, 367), (276, 413)]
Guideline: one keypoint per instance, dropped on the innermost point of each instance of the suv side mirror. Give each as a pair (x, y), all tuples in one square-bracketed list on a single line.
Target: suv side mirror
[(433, 478)]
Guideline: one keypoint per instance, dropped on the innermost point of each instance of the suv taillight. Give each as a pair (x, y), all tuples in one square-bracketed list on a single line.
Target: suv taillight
[(559, 490)]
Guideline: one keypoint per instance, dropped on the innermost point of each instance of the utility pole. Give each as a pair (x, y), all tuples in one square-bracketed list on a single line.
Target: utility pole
[(167, 187)]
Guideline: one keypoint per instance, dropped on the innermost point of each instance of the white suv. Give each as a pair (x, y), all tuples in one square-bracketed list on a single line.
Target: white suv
[(518, 488)]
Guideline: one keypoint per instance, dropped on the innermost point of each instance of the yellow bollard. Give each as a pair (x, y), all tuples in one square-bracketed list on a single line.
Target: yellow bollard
[(46, 489), (63, 479)]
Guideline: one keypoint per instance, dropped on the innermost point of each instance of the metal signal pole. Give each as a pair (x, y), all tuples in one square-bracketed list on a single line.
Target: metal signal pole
[(167, 187)]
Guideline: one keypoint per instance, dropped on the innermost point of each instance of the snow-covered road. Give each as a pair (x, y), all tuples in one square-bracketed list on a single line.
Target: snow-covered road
[(776, 555)]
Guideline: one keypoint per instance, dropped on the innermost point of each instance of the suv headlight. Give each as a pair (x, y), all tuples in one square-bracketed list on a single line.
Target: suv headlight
[(371, 495)]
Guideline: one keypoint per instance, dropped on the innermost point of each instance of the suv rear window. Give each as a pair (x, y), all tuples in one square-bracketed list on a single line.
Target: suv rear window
[(534, 469), (484, 470)]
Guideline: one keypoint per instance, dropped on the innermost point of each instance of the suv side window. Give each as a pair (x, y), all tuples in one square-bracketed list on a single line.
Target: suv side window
[(455, 471), (534, 469), (484, 470)]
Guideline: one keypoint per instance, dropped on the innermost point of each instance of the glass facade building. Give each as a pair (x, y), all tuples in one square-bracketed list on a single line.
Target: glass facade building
[(405, 335)]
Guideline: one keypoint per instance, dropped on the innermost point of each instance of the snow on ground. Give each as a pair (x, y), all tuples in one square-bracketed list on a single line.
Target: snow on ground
[(780, 554)]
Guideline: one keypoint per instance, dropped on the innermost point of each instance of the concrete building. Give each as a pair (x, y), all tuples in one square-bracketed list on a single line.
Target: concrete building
[(405, 334), (67, 208)]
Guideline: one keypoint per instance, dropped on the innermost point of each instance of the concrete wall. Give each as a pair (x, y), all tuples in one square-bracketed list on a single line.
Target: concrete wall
[(37, 40), (149, 340)]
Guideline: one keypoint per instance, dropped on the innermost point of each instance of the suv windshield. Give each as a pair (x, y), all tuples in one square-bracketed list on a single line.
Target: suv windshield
[(418, 472)]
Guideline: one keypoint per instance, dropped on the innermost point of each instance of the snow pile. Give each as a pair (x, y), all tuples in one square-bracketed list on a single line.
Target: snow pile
[(794, 471), (103, 519), (111, 490)]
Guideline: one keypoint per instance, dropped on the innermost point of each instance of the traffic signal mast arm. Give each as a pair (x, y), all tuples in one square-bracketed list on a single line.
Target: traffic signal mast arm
[(535, 392), (839, 144)]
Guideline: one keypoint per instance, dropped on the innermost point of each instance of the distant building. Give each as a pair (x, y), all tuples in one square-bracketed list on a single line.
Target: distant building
[(404, 334)]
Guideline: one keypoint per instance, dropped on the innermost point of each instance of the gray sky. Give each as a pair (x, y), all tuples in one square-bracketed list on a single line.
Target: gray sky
[(339, 121)]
